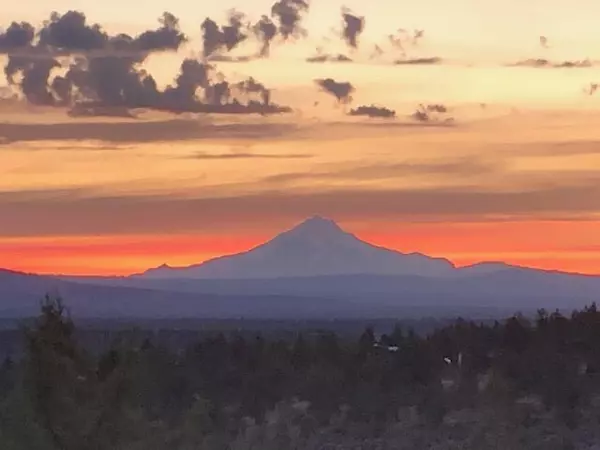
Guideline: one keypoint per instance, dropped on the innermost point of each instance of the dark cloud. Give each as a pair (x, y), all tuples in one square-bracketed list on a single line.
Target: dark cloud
[(251, 86), (533, 62), (198, 88), (35, 74), (372, 111), (288, 16), (353, 26), (545, 63), (17, 36), (340, 90), (211, 37), (432, 113), (80, 212), (167, 37), (321, 57), (418, 61), (71, 32), (224, 38), (104, 73), (574, 64), (214, 58), (110, 76), (437, 107), (265, 30)]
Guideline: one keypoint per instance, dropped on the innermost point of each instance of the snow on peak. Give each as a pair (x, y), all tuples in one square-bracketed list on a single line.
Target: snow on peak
[(315, 247)]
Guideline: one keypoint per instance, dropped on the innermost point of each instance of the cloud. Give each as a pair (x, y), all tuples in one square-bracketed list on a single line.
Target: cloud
[(355, 128), (87, 146), (265, 31), (79, 212), (247, 155), (227, 37), (545, 63), (353, 26), (400, 41), (324, 57), (76, 64), (288, 15), (214, 58), (110, 75), (128, 131), (18, 35), (372, 111), (341, 90), (418, 61), (139, 131), (432, 113), (460, 167), (551, 149)]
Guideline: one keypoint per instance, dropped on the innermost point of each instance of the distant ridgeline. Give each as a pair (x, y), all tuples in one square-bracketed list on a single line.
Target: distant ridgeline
[(97, 336)]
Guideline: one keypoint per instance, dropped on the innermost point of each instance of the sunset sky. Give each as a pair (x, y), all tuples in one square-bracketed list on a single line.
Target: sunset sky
[(515, 177)]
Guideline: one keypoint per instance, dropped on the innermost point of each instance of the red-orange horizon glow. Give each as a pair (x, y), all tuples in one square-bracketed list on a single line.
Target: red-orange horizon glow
[(563, 246)]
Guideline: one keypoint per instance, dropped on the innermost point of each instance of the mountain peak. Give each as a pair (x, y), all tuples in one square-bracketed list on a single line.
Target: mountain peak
[(316, 231), (318, 224), (318, 246)]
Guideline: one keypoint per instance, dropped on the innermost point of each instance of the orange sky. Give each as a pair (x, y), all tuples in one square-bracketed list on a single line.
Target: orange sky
[(468, 193), (549, 245), (516, 178)]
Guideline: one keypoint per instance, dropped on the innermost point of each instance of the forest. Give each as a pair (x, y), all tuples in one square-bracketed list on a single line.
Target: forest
[(518, 383)]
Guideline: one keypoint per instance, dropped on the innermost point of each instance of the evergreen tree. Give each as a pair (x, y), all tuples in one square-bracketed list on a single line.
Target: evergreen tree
[(70, 403)]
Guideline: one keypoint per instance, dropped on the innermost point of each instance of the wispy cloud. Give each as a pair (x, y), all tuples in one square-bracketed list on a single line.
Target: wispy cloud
[(247, 155), (467, 166), (553, 149), (139, 131), (81, 212)]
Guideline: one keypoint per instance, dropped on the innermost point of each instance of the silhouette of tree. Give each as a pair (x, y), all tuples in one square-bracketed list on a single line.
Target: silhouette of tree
[(505, 382)]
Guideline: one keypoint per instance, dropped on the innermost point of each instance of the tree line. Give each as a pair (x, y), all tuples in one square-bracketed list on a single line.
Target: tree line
[(516, 383)]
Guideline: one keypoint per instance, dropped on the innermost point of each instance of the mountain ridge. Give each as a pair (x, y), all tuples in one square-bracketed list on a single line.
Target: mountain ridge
[(295, 279), (316, 246)]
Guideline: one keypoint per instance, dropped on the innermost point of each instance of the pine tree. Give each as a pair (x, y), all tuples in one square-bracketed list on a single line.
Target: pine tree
[(70, 402)]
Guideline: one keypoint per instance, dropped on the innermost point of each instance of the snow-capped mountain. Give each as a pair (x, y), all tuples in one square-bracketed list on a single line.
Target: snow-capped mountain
[(316, 269), (315, 247)]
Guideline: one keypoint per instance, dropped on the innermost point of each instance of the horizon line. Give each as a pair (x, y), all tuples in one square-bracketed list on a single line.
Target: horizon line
[(297, 224)]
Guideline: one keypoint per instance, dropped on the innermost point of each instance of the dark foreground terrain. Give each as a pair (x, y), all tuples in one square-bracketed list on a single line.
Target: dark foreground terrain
[(513, 384)]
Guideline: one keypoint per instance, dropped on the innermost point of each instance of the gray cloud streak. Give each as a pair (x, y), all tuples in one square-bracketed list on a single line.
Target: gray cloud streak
[(79, 212), (464, 167), (247, 155), (138, 131)]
